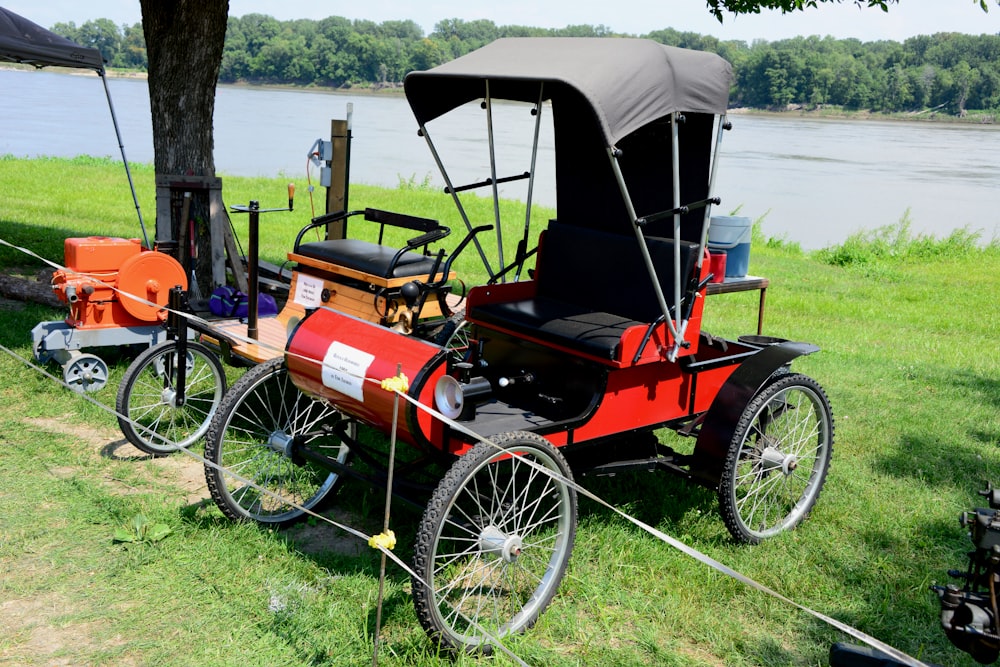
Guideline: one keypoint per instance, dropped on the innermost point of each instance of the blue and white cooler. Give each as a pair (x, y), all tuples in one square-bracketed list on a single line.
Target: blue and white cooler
[(731, 234)]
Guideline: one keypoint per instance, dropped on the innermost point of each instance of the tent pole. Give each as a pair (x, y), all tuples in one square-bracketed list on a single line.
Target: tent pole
[(121, 147)]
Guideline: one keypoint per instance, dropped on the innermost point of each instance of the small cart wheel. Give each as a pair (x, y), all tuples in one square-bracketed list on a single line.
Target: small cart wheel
[(85, 373), (254, 436), (777, 460), (494, 542), (149, 416)]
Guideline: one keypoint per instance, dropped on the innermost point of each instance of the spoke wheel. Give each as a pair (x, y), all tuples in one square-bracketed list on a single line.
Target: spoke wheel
[(494, 542), (454, 336), (778, 459), (261, 421), (147, 398)]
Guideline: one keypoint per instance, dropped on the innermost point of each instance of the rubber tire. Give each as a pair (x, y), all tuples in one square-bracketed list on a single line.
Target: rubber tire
[(454, 335), (789, 491), (452, 504), (143, 398), (264, 407)]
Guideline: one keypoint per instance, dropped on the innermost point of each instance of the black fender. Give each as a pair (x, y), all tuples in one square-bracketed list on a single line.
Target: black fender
[(723, 415)]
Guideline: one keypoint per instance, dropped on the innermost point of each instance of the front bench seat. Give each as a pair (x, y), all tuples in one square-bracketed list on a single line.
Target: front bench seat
[(374, 258)]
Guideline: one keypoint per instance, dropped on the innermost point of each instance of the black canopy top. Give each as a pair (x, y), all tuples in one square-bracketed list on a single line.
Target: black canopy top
[(627, 82), (22, 41), (604, 93)]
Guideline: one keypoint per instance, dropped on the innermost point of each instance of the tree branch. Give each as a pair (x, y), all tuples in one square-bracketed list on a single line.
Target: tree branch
[(737, 7)]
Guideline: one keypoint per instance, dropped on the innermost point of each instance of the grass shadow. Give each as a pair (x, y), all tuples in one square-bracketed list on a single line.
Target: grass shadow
[(46, 242), (934, 462), (951, 457), (123, 450), (894, 603)]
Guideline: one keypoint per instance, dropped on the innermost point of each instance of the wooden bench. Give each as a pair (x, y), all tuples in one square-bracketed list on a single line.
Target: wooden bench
[(363, 279), (591, 288)]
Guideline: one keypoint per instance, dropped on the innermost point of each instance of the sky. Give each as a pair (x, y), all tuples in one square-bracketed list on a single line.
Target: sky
[(906, 19)]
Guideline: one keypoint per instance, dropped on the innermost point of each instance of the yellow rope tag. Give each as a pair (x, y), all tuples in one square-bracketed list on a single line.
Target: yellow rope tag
[(386, 540), (401, 383)]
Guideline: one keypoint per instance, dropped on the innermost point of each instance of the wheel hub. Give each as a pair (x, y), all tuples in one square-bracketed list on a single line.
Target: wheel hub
[(169, 397), (281, 443), (494, 541), (773, 459)]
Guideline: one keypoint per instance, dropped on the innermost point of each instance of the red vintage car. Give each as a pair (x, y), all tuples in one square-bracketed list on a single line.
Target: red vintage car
[(584, 342)]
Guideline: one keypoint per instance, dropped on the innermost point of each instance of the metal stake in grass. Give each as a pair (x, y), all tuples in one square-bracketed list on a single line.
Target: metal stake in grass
[(385, 522)]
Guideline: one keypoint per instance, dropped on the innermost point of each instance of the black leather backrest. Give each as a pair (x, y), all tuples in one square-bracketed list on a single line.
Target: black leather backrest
[(605, 272)]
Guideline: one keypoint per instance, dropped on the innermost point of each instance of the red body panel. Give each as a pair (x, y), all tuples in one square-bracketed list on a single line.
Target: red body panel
[(343, 360)]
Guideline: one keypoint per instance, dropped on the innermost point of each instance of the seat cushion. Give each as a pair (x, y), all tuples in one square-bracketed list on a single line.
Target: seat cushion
[(368, 257), (559, 322)]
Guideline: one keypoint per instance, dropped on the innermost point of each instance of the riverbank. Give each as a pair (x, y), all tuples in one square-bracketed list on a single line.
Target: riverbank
[(395, 89), (838, 113)]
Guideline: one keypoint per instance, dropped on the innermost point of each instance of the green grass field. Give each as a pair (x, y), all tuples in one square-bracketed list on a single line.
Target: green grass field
[(908, 331)]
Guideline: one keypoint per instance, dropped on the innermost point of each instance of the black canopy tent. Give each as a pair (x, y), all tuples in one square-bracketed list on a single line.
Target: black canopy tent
[(22, 41)]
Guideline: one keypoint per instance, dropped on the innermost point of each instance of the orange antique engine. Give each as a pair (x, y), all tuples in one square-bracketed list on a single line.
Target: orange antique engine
[(100, 274)]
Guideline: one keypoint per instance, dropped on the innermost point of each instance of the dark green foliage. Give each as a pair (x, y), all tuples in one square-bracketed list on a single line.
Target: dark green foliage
[(947, 72), (897, 243)]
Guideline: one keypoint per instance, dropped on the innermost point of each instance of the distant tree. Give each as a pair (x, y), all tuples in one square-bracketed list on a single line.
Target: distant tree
[(133, 48), (965, 78), (67, 30), (103, 35), (425, 54)]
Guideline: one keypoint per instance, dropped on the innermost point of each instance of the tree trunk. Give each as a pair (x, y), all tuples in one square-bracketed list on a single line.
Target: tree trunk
[(37, 289), (184, 41)]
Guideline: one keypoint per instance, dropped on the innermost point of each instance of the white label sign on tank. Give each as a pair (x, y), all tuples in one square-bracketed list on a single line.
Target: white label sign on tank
[(345, 368)]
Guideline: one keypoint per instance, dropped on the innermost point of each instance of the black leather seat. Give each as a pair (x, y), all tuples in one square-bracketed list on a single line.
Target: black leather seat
[(368, 257), (591, 286)]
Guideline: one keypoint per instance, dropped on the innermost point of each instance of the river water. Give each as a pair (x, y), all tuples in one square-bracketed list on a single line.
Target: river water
[(814, 181)]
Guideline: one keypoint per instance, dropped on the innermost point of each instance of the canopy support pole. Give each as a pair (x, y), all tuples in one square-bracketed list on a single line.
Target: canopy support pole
[(523, 246), (488, 102), (613, 153), (711, 191), (121, 147), (450, 188), (675, 156)]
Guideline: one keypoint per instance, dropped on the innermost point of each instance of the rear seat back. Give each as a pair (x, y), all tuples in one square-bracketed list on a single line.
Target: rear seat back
[(605, 272), (590, 288)]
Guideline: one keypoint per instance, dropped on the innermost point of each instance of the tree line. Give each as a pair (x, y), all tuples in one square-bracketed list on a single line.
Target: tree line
[(951, 72)]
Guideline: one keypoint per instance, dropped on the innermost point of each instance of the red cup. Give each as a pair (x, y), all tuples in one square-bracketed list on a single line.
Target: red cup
[(717, 265)]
